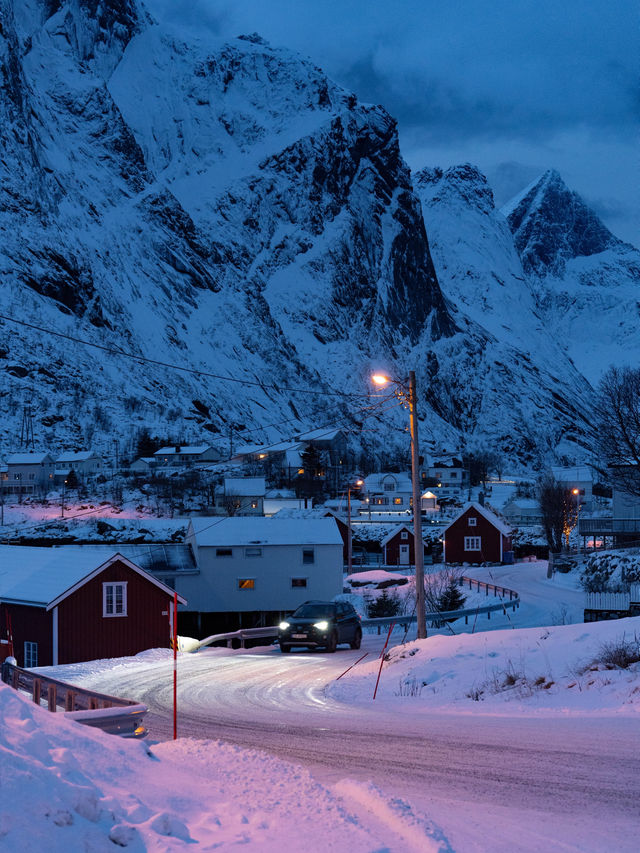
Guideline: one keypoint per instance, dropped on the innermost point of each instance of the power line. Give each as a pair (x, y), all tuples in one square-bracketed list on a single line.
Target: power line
[(190, 370)]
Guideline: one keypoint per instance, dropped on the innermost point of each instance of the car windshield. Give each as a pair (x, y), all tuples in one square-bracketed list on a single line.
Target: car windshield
[(312, 611)]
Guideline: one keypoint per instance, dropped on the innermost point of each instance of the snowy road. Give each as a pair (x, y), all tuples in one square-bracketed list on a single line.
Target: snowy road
[(525, 783)]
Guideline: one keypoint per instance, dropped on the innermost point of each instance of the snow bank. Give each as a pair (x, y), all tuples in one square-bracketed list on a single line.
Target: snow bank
[(66, 787)]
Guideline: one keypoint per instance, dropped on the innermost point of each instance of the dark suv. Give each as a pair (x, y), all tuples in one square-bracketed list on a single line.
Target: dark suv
[(321, 623)]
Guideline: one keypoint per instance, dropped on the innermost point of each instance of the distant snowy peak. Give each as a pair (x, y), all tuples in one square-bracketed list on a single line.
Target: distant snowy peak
[(551, 225), (463, 183)]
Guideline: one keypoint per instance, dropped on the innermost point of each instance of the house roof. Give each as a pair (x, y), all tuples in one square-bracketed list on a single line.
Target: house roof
[(256, 530), (375, 481), (173, 449), (245, 486), (81, 456), (491, 517), (395, 532), (322, 434), (43, 576), (28, 458), (577, 474)]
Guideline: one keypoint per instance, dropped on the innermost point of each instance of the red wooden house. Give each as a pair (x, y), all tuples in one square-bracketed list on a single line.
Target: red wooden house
[(398, 547), (477, 535), (71, 604)]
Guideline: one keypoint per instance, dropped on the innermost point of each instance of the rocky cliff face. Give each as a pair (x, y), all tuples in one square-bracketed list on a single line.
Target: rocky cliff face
[(225, 208), (586, 282)]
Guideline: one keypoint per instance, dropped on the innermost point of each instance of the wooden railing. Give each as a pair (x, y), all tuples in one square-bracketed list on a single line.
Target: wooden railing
[(109, 713)]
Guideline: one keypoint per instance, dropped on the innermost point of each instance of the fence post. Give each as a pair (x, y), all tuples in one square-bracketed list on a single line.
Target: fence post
[(69, 701), (37, 690), (51, 697)]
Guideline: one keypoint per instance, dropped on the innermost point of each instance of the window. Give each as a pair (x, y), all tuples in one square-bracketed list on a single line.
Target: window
[(308, 556), (473, 522), (472, 543), (224, 552), (30, 654), (32, 476), (381, 501), (254, 504), (114, 599), (404, 534), (389, 487), (246, 583), (253, 552), (453, 475), (397, 501), (298, 582)]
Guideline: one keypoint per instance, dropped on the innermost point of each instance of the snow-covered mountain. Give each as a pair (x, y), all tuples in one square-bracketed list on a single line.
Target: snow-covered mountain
[(226, 208), (586, 280)]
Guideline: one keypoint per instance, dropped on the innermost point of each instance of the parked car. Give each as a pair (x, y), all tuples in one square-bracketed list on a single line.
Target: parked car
[(321, 624)]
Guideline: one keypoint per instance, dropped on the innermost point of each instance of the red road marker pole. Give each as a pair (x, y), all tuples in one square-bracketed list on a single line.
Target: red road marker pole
[(352, 666), (391, 627), (175, 665)]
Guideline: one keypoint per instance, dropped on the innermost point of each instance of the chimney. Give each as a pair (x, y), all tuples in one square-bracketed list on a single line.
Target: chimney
[(481, 498)]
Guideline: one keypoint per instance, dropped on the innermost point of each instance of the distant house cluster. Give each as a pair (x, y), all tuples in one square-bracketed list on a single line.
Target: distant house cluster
[(31, 473)]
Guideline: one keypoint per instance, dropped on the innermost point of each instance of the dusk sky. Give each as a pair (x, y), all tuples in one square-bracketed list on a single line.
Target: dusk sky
[(514, 87)]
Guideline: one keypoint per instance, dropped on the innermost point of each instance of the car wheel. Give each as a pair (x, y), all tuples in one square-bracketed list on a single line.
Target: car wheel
[(285, 649), (355, 643), (333, 642)]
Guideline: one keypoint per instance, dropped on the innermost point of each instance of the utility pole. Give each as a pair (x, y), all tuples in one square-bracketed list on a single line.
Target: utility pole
[(349, 543), (417, 510)]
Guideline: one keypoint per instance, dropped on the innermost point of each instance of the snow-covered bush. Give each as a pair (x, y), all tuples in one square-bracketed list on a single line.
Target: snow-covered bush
[(611, 572)]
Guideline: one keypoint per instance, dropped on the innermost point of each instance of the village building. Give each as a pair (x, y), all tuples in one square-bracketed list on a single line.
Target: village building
[(143, 465), (477, 535), (450, 478), (85, 464), (580, 478), (388, 492), (252, 571), (240, 496), (181, 455), (398, 547), (522, 511), (71, 604), (28, 473)]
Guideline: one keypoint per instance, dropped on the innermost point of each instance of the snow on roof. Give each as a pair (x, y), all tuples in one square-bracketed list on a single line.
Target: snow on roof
[(491, 517), (375, 481), (28, 458), (579, 473), (174, 449), (40, 575), (256, 449), (81, 456), (248, 530), (244, 486)]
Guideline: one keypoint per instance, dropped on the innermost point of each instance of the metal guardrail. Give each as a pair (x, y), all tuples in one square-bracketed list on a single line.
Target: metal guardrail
[(435, 617), (109, 713)]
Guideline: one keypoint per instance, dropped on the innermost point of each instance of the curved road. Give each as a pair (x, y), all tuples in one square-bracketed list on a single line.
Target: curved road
[(494, 783)]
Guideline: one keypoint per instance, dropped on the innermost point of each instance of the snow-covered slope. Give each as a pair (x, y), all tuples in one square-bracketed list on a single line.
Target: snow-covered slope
[(586, 280), (226, 208), (518, 396)]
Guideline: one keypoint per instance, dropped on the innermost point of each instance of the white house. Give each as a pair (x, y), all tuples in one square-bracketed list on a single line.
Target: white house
[(389, 492), (85, 463), (278, 499), (259, 567), (523, 511), (28, 473), (451, 477), (240, 496), (181, 455)]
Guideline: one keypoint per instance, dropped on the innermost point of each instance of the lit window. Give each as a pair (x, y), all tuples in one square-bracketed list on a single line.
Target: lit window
[(30, 654), (246, 583), (397, 501), (473, 522), (253, 552), (298, 582), (224, 552), (308, 556), (254, 504), (114, 599), (472, 543)]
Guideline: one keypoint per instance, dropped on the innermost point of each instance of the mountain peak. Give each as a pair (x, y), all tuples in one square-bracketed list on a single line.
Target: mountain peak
[(465, 182), (551, 224)]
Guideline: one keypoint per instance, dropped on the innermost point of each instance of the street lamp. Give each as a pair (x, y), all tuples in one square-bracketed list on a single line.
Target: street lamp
[(407, 393), (576, 492)]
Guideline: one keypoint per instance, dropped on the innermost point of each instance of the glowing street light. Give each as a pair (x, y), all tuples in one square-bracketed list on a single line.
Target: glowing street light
[(407, 393)]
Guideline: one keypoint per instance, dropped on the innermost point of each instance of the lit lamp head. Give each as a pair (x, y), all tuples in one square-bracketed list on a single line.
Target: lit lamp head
[(380, 379), (575, 491)]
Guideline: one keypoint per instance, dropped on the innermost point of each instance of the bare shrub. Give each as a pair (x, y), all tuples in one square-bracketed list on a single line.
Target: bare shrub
[(618, 654)]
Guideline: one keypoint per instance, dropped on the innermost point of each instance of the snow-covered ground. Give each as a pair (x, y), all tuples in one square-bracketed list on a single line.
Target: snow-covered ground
[(481, 719)]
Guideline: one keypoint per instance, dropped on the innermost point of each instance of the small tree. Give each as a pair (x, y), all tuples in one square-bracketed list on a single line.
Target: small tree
[(384, 605), (72, 480), (451, 598), (617, 425)]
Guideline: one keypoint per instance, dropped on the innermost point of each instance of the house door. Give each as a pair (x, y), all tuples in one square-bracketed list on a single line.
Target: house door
[(404, 555)]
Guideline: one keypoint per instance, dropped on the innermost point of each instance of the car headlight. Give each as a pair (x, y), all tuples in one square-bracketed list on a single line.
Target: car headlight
[(283, 626), (321, 626)]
